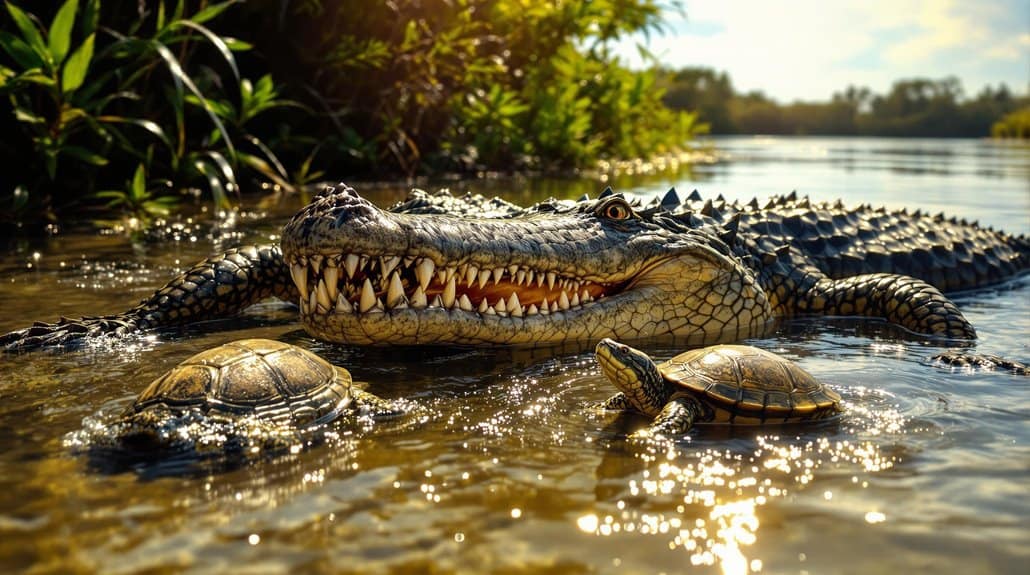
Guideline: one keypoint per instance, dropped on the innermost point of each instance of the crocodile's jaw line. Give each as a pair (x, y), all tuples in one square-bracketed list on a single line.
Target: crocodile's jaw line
[(672, 298)]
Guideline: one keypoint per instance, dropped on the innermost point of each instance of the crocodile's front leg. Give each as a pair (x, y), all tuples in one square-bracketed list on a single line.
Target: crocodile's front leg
[(902, 300), (219, 286)]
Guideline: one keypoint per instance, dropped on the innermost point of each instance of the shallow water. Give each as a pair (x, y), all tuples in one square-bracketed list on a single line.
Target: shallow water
[(505, 468)]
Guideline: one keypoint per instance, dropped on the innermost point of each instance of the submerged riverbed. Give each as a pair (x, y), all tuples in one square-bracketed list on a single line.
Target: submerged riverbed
[(505, 468)]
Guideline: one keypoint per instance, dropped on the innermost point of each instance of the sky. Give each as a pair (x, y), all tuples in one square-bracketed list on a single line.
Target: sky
[(807, 49)]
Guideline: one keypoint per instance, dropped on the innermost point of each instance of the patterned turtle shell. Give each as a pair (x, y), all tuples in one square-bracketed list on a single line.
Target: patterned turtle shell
[(269, 379), (747, 385)]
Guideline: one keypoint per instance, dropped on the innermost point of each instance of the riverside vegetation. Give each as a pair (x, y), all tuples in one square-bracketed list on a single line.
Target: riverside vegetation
[(131, 107), (122, 108)]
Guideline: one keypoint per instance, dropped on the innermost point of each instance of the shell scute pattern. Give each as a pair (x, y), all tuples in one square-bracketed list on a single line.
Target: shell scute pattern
[(271, 379), (747, 382)]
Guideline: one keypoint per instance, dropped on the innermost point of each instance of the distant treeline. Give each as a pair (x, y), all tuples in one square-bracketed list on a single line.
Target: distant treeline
[(916, 107)]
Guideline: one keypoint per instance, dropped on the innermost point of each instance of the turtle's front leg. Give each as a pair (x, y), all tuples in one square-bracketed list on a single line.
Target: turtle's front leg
[(906, 301), (373, 405), (217, 287), (676, 418), (617, 402)]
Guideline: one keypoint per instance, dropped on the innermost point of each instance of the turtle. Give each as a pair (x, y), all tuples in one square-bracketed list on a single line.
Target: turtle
[(258, 387), (727, 384)]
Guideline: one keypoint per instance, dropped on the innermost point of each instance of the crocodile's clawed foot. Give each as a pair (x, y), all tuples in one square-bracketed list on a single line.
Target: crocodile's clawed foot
[(64, 333), (983, 361)]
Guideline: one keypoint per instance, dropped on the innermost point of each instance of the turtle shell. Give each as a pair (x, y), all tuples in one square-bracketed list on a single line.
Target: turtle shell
[(747, 385), (272, 380)]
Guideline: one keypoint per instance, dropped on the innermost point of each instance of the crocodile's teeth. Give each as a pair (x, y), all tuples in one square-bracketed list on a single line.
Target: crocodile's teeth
[(441, 275), (449, 293), (520, 277), (437, 302), (395, 292), (362, 262), (514, 305), (563, 301), (551, 277), (544, 307), (484, 276), (322, 295), (316, 264), (500, 307), (498, 273), (464, 303), (483, 305), (575, 300), (300, 277), (342, 305), (332, 277), (408, 260), (450, 273), (555, 308), (490, 311), (350, 263), (313, 301), (400, 304), (513, 269), (586, 297), (424, 272), (529, 277), (368, 297), (470, 275), (418, 299), (532, 309), (388, 264)]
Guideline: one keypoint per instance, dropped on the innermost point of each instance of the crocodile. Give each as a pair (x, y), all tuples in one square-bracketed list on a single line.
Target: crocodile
[(443, 269)]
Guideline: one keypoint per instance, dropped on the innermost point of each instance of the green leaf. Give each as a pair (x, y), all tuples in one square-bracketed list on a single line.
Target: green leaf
[(27, 117), (78, 63), (90, 17), (211, 11), (160, 15), (237, 45), (34, 76), (19, 51), (147, 125), (138, 188), (216, 41), (84, 155), (60, 35), (213, 182), (182, 79), (29, 32)]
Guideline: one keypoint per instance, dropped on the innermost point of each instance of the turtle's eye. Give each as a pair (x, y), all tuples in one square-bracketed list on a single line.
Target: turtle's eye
[(616, 209)]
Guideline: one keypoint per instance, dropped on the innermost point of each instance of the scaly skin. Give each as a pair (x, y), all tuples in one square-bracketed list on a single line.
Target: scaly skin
[(703, 271)]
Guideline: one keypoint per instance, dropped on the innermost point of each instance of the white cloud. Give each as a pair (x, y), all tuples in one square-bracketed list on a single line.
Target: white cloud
[(806, 49)]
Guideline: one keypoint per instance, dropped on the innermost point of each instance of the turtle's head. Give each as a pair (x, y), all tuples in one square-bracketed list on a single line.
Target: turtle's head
[(635, 374)]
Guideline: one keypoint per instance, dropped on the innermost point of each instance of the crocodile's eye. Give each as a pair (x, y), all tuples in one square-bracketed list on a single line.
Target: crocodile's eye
[(617, 209)]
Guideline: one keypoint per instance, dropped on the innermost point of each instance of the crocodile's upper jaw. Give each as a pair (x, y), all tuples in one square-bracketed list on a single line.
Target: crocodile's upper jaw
[(369, 276)]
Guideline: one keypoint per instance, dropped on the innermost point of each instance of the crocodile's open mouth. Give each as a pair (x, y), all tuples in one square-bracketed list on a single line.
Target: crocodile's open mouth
[(361, 284)]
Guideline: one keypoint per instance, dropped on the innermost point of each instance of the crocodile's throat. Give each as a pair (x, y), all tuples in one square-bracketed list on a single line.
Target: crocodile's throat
[(361, 284)]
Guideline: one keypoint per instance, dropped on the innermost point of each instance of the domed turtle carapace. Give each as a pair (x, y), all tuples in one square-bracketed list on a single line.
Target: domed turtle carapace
[(729, 384), (254, 387)]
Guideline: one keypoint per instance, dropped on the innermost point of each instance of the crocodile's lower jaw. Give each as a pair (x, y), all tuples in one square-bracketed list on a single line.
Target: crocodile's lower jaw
[(691, 312)]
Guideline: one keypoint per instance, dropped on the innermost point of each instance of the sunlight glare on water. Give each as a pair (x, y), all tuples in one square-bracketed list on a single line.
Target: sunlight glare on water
[(504, 464), (718, 494)]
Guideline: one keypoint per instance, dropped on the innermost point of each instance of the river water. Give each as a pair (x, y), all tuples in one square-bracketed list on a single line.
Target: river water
[(505, 468)]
